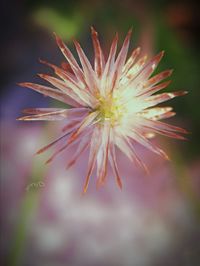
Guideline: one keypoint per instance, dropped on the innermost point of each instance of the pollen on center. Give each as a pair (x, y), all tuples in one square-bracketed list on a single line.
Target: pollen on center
[(109, 109)]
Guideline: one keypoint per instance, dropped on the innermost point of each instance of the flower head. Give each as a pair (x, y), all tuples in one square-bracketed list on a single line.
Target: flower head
[(112, 105)]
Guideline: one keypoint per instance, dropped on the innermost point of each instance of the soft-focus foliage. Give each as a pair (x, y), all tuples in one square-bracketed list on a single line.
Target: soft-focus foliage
[(154, 220)]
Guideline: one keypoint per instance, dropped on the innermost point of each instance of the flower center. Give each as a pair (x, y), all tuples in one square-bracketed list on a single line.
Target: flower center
[(109, 109)]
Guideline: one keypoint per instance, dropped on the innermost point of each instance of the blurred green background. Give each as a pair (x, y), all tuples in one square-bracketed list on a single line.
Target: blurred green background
[(27, 34), (172, 26)]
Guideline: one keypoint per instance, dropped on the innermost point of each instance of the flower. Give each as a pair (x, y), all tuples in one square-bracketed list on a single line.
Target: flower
[(113, 105)]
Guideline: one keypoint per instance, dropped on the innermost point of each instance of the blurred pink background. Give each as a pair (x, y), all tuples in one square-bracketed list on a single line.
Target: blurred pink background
[(46, 221)]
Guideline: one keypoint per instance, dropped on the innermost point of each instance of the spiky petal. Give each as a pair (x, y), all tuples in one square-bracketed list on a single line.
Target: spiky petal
[(113, 105)]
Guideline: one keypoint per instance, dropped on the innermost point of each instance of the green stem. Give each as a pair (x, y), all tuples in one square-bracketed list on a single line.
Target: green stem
[(28, 208)]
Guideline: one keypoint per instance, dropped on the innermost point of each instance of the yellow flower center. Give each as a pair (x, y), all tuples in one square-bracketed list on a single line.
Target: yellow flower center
[(109, 109)]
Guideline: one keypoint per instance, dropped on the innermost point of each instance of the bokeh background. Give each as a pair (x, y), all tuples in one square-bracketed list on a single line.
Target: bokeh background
[(45, 221)]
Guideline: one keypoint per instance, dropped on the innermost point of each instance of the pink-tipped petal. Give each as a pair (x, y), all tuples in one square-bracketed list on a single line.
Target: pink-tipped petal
[(155, 112), (163, 97), (57, 152), (45, 148), (84, 143), (69, 88), (124, 147), (53, 93), (35, 111), (146, 143), (149, 91), (69, 142), (113, 163), (159, 77), (94, 147), (170, 134), (51, 116), (60, 72), (70, 58), (140, 163), (149, 68), (106, 78), (128, 149), (103, 160), (164, 126), (90, 75), (87, 121), (99, 61), (66, 67), (118, 66), (131, 60), (144, 73), (83, 128), (70, 125), (132, 73), (164, 116), (121, 58), (134, 155), (71, 82)]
